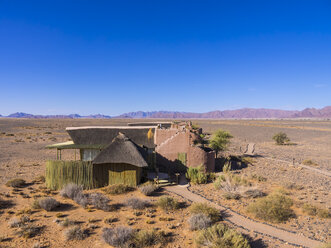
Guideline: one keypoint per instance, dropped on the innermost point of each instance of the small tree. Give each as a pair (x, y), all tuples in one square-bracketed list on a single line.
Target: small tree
[(220, 140), (281, 138)]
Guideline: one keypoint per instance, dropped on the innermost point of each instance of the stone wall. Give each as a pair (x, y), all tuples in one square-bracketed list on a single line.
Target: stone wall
[(182, 142)]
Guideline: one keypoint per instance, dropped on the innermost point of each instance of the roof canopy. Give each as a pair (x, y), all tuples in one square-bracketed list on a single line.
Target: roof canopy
[(122, 150), (92, 135), (72, 145)]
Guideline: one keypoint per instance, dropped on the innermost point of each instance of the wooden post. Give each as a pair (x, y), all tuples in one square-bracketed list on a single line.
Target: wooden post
[(75, 154), (57, 154), (177, 178)]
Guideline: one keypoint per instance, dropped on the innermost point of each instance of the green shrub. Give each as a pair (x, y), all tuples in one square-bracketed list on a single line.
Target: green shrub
[(196, 175), (168, 203), (220, 141), (118, 189), (281, 138), (203, 208), (221, 236), (275, 207), (16, 183)]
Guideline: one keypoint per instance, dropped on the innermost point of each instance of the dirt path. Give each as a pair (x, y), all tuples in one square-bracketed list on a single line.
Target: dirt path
[(248, 224), (322, 172)]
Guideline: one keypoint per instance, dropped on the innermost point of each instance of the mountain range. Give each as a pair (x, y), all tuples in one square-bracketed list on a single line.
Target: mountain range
[(249, 113)]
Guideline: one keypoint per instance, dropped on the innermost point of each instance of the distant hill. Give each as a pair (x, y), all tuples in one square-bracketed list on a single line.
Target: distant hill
[(249, 113)]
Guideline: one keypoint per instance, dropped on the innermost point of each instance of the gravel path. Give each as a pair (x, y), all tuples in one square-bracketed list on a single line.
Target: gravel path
[(248, 224)]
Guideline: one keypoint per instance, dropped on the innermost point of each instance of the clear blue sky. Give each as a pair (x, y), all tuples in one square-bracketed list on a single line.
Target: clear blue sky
[(110, 57)]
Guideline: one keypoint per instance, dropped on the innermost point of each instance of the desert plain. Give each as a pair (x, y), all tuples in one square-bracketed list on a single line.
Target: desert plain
[(283, 168)]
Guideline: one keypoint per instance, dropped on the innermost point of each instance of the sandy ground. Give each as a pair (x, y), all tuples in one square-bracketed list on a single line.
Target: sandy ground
[(22, 155)]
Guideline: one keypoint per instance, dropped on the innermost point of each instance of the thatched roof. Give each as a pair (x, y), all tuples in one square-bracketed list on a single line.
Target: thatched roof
[(122, 150), (103, 135)]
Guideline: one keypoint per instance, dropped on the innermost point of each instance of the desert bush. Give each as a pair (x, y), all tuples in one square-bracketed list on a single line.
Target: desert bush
[(199, 221), (65, 222), (81, 199), (48, 203), (148, 189), (74, 233), (196, 175), (221, 236), (275, 207), (145, 238), (118, 237), (117, 189), (168, 203), (315, 211), (137, 203), (16, 183), (18, 222), (203, 208), (28, 231), (99, 201), (71, 190), (281, 138), (252, 193)]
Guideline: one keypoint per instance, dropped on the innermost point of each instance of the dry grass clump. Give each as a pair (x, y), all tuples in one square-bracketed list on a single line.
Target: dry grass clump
[(235, 187), (71, 190), (126, 237), (18, 222), (118, 189), (118, 237), (309, 162), (137, 203), (39, 179), (275, 207), (99, 201), (16, 183), (199, 221), (258, 178), (28, 231), (74, 233), (168, 203), (328, 245), (292, 186), (221, 236), (48, 203), (5, 203), (315, 211), (145, 238), (148, 189), (203, 208), (110, 220)]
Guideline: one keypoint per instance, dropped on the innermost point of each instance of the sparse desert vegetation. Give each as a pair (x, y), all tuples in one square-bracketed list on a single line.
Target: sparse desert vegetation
[(257, 180)]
